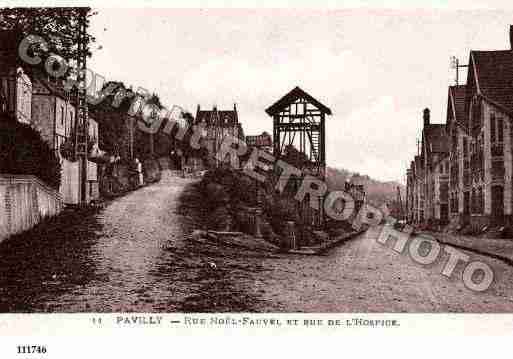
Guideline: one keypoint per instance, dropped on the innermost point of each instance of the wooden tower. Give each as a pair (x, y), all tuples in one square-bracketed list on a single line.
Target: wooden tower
[(299, 121)]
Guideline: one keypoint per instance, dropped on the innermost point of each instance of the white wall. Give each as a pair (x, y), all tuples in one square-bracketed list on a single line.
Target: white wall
[(24, 202)]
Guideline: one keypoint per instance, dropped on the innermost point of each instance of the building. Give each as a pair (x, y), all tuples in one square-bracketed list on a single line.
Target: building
[(434, 154), (357, 192), (217, 125), (472, 152), (419, 193), (29, 96), (15, 83), (487, 181), (15, 94), (263, 141), (457, 130), (410, 190), (54, 116)]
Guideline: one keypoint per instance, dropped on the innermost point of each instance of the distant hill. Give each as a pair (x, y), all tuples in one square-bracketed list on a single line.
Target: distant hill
[(378, 192)]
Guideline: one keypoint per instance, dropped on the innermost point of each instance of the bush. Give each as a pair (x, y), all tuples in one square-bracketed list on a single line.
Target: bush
[(23, 152)]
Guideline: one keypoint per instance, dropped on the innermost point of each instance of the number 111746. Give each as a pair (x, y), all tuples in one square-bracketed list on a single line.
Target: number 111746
[(31, 349)]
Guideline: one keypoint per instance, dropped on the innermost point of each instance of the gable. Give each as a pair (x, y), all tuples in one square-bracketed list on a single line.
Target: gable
[(492, 77), (293, 96)]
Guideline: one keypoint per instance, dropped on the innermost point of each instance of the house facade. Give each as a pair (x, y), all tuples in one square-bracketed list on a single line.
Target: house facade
[(434, 155), (15, 83), (15, 94), (479, 159), (263, 141), (217, 124), (487, 196), (54, 116), (459, 140)]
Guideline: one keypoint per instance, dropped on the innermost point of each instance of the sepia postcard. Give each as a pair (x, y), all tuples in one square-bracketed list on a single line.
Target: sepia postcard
[(167, 172)]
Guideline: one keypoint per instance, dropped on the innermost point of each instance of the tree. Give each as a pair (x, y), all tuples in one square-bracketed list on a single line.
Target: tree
[(58, 26), (23, 151)]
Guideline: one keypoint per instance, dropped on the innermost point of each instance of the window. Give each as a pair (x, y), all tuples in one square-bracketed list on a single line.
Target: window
[(476, 113), (496, 135), (500, 130), (498, 170), (480, 200), (473, 204), (62, 115), (492, 127), (71, 123)]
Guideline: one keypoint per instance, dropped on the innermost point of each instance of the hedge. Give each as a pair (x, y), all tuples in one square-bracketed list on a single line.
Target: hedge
[(23, 151)]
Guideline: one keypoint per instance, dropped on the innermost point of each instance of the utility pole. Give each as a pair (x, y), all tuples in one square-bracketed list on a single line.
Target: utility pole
[(455, 64), (82, 116)]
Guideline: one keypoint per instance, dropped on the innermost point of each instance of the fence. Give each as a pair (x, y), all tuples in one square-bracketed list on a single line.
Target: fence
[(24, 202)]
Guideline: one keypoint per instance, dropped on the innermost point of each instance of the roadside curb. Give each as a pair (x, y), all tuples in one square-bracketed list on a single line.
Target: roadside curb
[(327, 246), (499, 257)]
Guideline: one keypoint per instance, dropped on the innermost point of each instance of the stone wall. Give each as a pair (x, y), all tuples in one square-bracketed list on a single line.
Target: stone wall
[(24, 202)]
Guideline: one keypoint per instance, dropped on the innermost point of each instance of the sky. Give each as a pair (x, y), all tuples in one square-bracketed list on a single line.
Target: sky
[(376, 69)]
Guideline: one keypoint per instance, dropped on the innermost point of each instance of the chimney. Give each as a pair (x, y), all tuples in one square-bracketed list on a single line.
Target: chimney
[(511, 36), (235, 107), (426, 117)]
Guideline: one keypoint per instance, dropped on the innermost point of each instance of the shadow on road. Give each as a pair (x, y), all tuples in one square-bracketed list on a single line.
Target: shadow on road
[(221, 276), (47, 260)]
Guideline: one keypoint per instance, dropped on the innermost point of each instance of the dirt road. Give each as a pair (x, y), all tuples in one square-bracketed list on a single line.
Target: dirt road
[(135, 256)]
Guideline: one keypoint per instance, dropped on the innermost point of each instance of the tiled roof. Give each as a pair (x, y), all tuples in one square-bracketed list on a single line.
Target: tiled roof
[(458, 94), (436, 138), (494, 70)]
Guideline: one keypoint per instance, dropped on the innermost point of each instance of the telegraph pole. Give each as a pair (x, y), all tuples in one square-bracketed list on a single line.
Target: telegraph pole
[(82, 115)]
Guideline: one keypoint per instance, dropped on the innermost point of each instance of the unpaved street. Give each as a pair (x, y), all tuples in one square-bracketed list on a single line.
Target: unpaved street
[(365, 276), (134, 255)]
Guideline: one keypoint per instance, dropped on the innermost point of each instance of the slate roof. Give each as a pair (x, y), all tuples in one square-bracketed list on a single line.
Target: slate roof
[(204, 116), (457, 97), (494, 71), (418, 164), (223, 118), (436, 138), (293, 96)]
